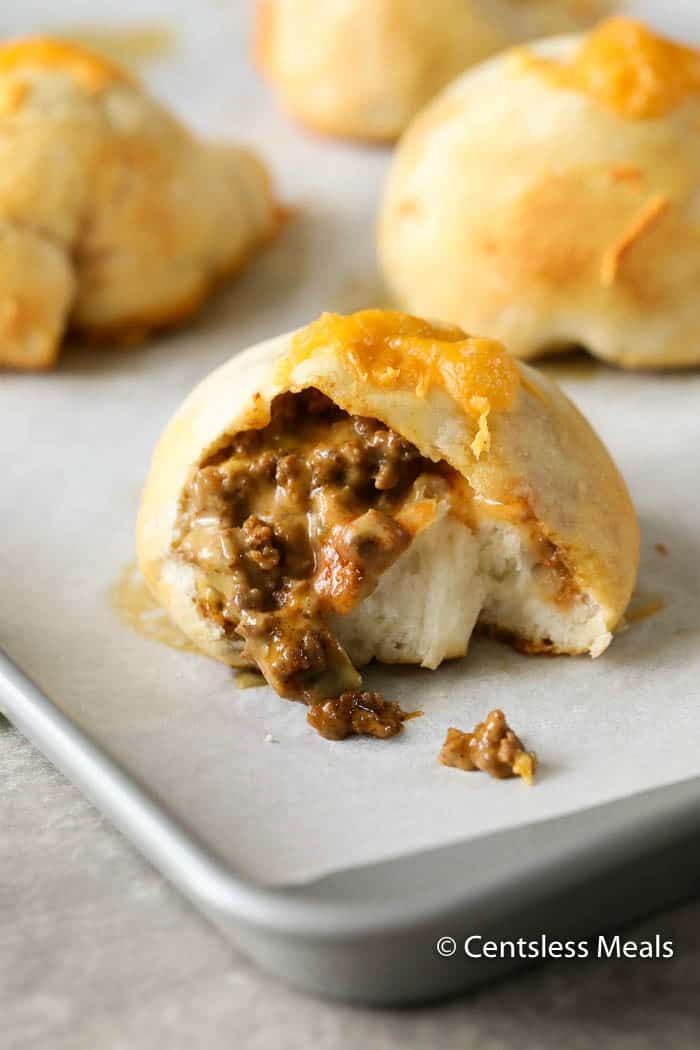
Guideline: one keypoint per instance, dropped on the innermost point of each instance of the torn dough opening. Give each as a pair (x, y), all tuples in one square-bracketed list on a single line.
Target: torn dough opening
[(453, 580), (324, 540)]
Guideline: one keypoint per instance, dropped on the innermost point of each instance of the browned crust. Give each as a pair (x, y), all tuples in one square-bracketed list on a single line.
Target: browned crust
[(529, 646), (334, 131), (134, 330), (45, 365), (262, 32), (261, 53), (329, 130)]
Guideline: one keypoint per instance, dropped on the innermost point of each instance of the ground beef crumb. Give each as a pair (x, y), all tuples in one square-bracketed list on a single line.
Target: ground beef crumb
[(492, 747), (357, 714)]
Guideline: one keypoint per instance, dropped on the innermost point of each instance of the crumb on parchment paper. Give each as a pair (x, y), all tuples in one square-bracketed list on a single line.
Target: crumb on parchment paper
[(358, 713), (491, 747)]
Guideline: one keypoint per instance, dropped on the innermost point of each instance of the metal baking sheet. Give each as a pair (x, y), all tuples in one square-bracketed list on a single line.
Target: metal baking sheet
[(163, 739)]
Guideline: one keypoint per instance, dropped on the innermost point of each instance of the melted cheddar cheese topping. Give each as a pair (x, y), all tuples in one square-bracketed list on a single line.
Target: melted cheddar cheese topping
[(91, 71), (396, 351), (627, 69)]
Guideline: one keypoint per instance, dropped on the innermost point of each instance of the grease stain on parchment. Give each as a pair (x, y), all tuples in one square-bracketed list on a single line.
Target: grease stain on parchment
[(137, 608)]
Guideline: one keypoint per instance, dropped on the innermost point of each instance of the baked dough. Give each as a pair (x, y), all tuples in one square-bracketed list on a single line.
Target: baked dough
[(551, 197), (114, 219), (534, 537), (363, 68)]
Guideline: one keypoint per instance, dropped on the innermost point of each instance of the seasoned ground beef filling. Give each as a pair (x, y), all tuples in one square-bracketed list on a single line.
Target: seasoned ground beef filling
[(492, 747), (358, 714), (298, 520)]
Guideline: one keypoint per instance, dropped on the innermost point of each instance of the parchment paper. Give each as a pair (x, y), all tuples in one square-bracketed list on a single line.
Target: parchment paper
[(75, 447)]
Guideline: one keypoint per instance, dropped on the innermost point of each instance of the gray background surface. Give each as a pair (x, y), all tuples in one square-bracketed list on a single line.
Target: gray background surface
[(97, 951)]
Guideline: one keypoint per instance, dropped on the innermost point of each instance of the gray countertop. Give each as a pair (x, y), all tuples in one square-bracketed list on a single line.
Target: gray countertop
[(96, 950)]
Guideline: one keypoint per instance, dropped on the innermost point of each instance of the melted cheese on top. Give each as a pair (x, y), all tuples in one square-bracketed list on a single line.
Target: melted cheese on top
[(91, 71), (394, 350), (628, 69)]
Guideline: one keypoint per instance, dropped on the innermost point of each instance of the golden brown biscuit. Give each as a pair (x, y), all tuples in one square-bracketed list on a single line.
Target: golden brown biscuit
[(114, 219), (363, 68), (371, 487), (550, 198)]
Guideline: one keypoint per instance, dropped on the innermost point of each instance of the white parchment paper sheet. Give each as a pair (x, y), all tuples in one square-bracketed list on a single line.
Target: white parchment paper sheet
[(75, 449)]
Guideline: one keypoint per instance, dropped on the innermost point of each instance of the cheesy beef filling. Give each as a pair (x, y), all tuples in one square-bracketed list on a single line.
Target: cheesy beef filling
[(297, 521), (291, 527)]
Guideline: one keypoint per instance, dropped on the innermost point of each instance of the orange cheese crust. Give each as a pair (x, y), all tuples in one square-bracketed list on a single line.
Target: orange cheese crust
[(628, 69), (393, 349), (91, 71)]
